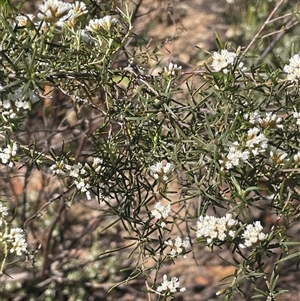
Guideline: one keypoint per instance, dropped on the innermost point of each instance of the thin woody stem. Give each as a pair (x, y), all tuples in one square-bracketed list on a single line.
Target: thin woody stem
[(255, 38)]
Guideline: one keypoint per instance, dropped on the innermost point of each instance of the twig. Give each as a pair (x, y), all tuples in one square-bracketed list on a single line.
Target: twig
[(38, 213), (289, 25), (255, 38), (46, 245)]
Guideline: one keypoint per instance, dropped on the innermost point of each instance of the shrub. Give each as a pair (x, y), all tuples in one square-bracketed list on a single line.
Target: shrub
[(213, 151)]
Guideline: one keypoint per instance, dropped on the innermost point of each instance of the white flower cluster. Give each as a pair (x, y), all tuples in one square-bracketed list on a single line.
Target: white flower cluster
[(78, 9), (8, 153), (252, 235), (219, 228), (215, 228), (105, 23), (81, 179), (3, 213), (171, 286), (256, 141), (97, 164), (297, 159), (222, 60), (17, 102), (16, 241), (269, 121), (61, 13), (234, 157), (52, 10), (179, 246), (172, 70), (293, 69), (161, 171), (12, 239), (79, 172), (161, 212), (7, 109), (253, 117), (58, 168), (24, 20), (278, 156), (85, 36), (296, 115)]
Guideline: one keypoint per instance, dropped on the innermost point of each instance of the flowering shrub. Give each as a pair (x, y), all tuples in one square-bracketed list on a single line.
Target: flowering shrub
[(12, 240), (153, 153)]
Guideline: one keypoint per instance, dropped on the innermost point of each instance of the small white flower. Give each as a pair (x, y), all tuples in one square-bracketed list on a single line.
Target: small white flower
[(20, 100), (97, 164), (270, 121), (252, 235), (82, 184), (171, 286), (278, 156), (256, 142), (296, 115), (7, 154), (297, 158), (104, 23), (161, 212), (3, 210), (52, 10), (293, 69), (75, 170), (179, 246), (9, 114), (3, 213), (21, 105), (85, 36), (234, 157), (58, 168), (252, 117), (172, 70), (242, 67), (69, 20), (24, 20), (79, 8), (6, 104), (222, 60), (161, 171)]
